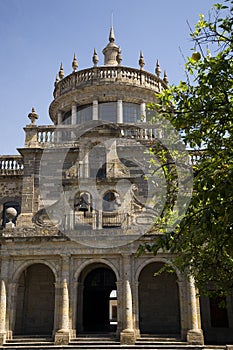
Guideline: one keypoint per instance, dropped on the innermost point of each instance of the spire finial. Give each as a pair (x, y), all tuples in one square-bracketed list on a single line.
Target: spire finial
[(158, 69), (95, 58), (61, 72), (119, 57), (75, 63), (111, 35), (141, 60), (57, 79), (165, 78)]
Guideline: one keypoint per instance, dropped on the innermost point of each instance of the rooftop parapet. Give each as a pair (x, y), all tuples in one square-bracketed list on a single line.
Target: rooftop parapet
[(109, 74)]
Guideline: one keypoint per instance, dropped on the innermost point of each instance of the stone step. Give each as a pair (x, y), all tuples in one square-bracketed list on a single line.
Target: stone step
[(88, 342)]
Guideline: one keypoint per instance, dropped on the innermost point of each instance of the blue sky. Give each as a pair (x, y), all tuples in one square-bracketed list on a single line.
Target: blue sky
[(37, 35)]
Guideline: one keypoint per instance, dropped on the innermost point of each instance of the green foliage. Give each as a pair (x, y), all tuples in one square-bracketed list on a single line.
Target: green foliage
[(201, 108)]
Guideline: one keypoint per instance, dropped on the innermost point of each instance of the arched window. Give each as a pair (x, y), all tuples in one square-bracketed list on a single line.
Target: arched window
[(111, 201), (83, 202)]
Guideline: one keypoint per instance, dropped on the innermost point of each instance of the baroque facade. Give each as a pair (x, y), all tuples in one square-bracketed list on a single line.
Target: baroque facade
[(75, 205)]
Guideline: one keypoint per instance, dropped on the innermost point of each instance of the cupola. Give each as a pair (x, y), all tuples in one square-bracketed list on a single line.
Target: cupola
[(112, 52)]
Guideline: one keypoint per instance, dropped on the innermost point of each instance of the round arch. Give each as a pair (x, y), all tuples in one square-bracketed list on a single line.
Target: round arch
[(158, 295), (28, 263), (93, 262), (35, 302), (157, 260), (97, 279)]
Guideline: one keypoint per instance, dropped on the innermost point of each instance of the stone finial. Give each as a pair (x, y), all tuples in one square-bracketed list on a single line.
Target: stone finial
[(11, 214), (33, 116), (75, 63), (165, 78), (158, 69), (141, 60), (61, 72), (111, 35), (95, 58), (57, 80), (119, 57)]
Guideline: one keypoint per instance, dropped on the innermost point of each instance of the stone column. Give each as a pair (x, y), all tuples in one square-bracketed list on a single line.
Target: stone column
[(73, 307), (3, 300), (73, 113), (194, 334), (127, 335), (59, 117), (2, 312), (136, 308), (119, 111), (58, 135), (95, 110), (12, 295), (143, 111), (73, 119), (62, 336)]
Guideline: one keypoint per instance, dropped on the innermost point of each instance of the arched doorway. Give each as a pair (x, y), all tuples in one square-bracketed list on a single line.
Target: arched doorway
[(35, 301), (97, 294), (159, 309)]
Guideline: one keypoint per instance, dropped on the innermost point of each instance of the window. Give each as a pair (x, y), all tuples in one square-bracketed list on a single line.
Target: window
[(67, 118), (111, 201), (84, 114), (131, 113), (7, 205), (108, 111)]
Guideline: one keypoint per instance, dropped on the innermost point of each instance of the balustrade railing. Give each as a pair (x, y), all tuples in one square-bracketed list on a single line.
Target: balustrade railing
[(67, 135), (129, 75), (11, 165)]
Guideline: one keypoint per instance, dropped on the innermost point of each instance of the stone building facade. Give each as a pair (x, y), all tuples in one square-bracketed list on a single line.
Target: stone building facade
[(75, 205)]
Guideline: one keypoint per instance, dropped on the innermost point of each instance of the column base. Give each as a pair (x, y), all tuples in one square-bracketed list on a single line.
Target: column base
[(127, 337), (2, 338), (62, 337), (195, 337)]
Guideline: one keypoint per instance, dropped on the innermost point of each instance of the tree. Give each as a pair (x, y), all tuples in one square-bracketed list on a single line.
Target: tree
[(201, 108)]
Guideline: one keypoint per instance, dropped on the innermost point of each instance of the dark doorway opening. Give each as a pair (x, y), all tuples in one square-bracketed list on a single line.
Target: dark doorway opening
[(35, 301), (159, 307), (98, 285)]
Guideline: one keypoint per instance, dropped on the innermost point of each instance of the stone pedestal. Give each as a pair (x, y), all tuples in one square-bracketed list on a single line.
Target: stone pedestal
[(195, 337), (2, 338), (127, 337), (62, 337)]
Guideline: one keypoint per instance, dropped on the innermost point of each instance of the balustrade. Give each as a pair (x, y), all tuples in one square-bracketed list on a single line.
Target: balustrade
[(11, 165), (129, 75)]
